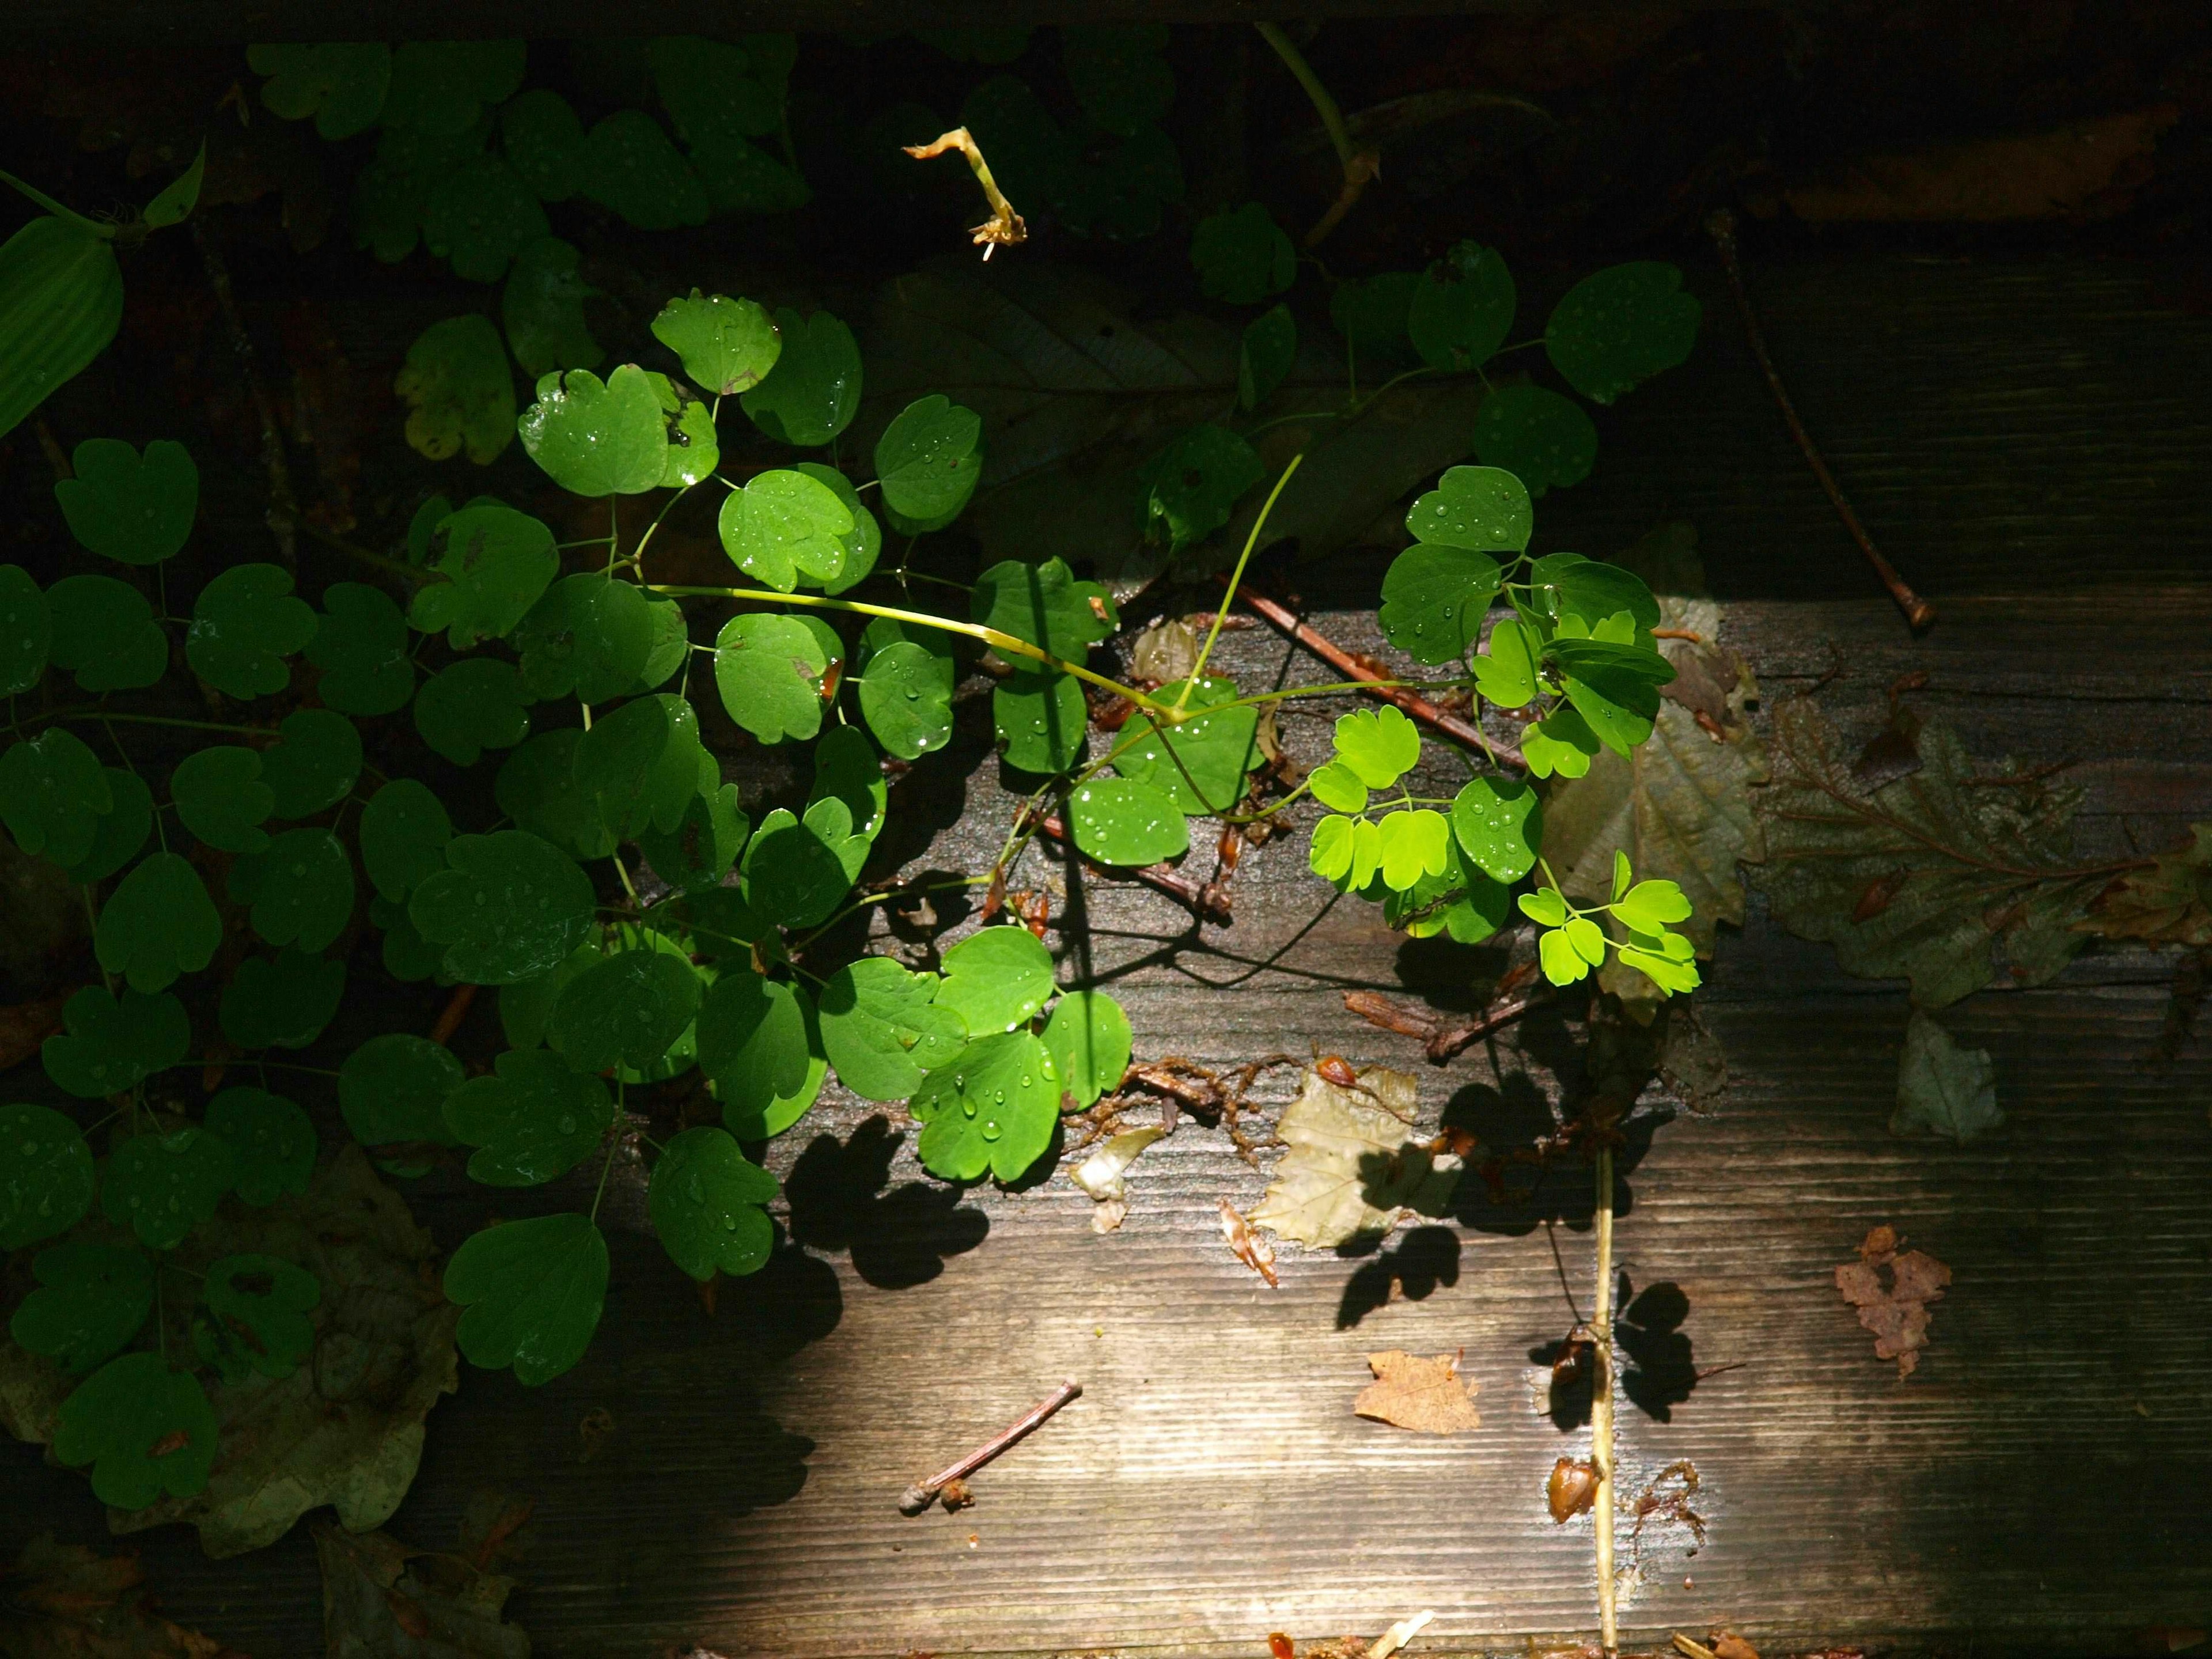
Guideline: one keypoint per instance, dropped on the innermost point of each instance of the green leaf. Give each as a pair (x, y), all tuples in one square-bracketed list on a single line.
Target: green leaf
[(813, 391), (403, 832), (642, 764), (538, 788), (1119, 75), (443, 86), (543, 309), (1545, 906), (477, 703), (218, 792), (785, 527), (1415, 843), (134, 510), (390, 192), (273, 1137), (727, 346), (1588, 940), (1380, 746), (173, 203), (1537, 436), (692, 449), (624, 1010), (669, 646), (993, 1107), (162, 1186), (393, 1091), (1264, 355), (1560, 744), (543, 139), (158, 923), (245, 623), (719, 91), (104, 632), (1373, 313), (459, 391), (341, 83), (845, 766), (92, 1299), (110, 1047), (1337, 787), (1090, 1040), (752, 1116), (1106, 190), (1942, 1089), (1648, 906), (1044, 605), (705, 843), (423, 526), (361, 645), (1482, 508), (1194, 484), (1462, 309), (27, 630), (1618, 703), (906, 697), (509, 905), (61, 299), (1122, 822), (1434, 600), (740, 177), (596, 437), (928, 461), (480, 216), (146, 1430), (705, 1200), (123, 829), (497, 564), (629, 165), (882, 1030), (1461, 903), (313, 763), (753, 1041), (533, 1291), (1563, 964), (285, 1003), (54, 793), (771, 672), (1506, 673), (1243, 256), (1667, 960), (407, 955), (796, 870), (1618, 327), (263, 1302), (1212, 753), (1041, 720), (589, 636), (533, 1120), (996, 979), (1500, 824), (45, 1181), (1569, 585), (526, 1005), (300, 887), (1346, 852), (862, 543)]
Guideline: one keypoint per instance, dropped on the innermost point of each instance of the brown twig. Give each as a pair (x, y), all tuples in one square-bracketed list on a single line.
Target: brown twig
[(920, 1495), (455, 1011), (1440, 1041), (1004, 229), (1917, 611), (1204, 901), (283, 514)]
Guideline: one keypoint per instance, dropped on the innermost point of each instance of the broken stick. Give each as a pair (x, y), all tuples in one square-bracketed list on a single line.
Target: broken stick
[(920, 1495)]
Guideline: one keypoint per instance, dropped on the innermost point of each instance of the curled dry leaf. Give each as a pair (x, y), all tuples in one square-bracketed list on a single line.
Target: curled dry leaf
[(1572, 1488), (1354, 1165), (1253, 1251), (1428, 1396), (1100, 1175), (1892, 1291)]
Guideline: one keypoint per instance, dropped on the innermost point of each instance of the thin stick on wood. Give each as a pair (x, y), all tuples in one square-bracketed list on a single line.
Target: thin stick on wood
[(1440, 1040), (1608, 1615), (1720, 225), (1004, 229), (1203, 900), (920, 1495), (283, 515)]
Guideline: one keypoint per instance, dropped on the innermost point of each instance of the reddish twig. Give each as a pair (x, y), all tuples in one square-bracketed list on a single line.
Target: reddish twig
[(455, 1011), (1917, 611), (920, 1495), (1440, 1041), (1207, 902)]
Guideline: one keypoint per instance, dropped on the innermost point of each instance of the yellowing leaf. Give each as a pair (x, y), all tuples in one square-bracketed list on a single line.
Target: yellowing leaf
[(1354, 1165)]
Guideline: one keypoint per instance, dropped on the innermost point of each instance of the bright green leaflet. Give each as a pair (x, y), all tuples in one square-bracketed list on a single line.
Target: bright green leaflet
[(283, 1003), (443, 86), (1337, 787), (403, 832), (796, 870), (158, 924), (754, 1120), (906, 697), (1506, 673), (497, 564), (813, 391), (273, 1137), (1462, 309), (46, 1181), (1618, 327), (928, 461), (1561, 743), (92, 1299), (162, 1186), (769, 669), (624, 1010), (300, 887), (1380, 746), (996, 979), (1414, 844), (245, 623), (508, 906), (27, 630), (104, 632), (61, 300), (543, 309), (629, 165), (1373, 314), (341, 84), (537, 788), (106, 1047), (124, 828), (1212, 753), (1648, 906), (1265, 355), (642, 764), (1483, 509), (479, 216), (588, 637), (727, 346), (882, 1030), (1118, 821), (1434, 600), (1046, 605), (1243, 256), (1089, 1040), (53, 793), (753, 1041), (1194, 484), (785, 527), (1345, 852), (533, 1291), (134, 510), (863, 543), (845, 765), (1617, 704), (264, 1300), (361, 645), (705, 1200), (459, 391), (117, 1417), (533, 1120), (392, 1090), (1500, 824), (705, 843), (477, 703), (1534, 433), (543, 139), (992, 1109), (596, 437), (1041, 719), (691, 450)]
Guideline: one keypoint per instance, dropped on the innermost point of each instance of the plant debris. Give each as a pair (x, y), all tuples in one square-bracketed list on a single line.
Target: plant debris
[(1354, 1167), (1571, 1489), (1253, 1251), (61, 1601), (1400, 1633), (2168, 903), (1942, 1089), (1892, 1291), (920, 1495), (1428, 1396), (382, 1598)]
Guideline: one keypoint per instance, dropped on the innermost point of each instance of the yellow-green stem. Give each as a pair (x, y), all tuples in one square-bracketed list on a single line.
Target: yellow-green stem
[(1602, 1407), (1229, 598), (1324, 106)]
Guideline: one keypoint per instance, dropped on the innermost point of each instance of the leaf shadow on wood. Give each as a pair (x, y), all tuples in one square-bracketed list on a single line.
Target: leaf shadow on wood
[(1660, 1372), (896, 1238), (1411, 1269)]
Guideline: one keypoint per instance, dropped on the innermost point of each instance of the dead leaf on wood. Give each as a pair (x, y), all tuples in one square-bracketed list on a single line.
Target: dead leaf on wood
[(1165, 652), (2085, 169), (1401, 1633), (1572, 1489), (1892, 1291), (60, 1602), (1354, 1166), (1253, 1251), (26, 1026), (382, 1600), (1942, 1089), (1428, 1396), (2168, 903)]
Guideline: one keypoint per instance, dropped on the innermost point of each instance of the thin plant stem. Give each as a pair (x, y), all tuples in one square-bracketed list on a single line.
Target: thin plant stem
[(1601, 1458), (1228, 595), (1332, 118)]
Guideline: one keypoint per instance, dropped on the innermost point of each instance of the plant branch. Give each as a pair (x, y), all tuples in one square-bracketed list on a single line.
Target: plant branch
[(1004, 229), (1440, 1041), (1360, 166), (283, 515), (1601, 1408), (1229, 592)]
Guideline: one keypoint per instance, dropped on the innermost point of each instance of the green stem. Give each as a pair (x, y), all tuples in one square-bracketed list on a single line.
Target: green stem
[(1229, 595), (1601, 1409), (1324, 106), (106, 233), (85, 712), (608, 1166)]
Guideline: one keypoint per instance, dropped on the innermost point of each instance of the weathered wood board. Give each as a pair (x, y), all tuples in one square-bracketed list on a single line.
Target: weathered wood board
[(2032, 441)]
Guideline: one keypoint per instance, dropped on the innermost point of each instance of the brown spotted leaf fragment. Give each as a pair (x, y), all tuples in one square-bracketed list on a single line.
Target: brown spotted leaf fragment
[(1428, 1396), (1891, 1290), (2168, 903), (1355, 1166), (382, 1600), (1253, 1251), (59, 1601)]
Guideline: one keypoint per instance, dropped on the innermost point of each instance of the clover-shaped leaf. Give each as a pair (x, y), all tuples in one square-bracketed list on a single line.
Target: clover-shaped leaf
[(928, 461), (1617, 703), (1484, 509), (642, 764), (1667, 960), (1648, 906), (1537, 436), (444, 86), (1201, 763), (1345, 852), (46, 1181), (705, 1200), (106, 1047), (1506, 673), (476, 704), (991, 1108), (1380, 746), (157, 924), (1122, 822), (1460, 903), (727, 346), (1499, 822), (1561, 743), (543, 139), (341, 83), (27, 630), (795, 870), (1462, 309), (497, 564), (997, 979), (313, 763), (361, 645), (1568, 585), (771, 670), (104, 633), (693, 449), (718, 90), (1046, 605), (863, 543), (882, 1030), (543, 309), (589, 636), (740, 177), (245, 623), (704, 844), (785, 527), (92, 1298), (624, 1010), (123, 829), (274, 1140), (1090, 1040), (284, 1002), (906, 697), (388, 194), (407, 955), (404, 831), (1265, 355), (629, 165), (596, 437), (53, 793), (1043, 722), (1434, 600), (508, 905), (480, 216), (1618, 327), (753, 1040), (393, 1091), (1243, 256), (162, 1186), (526, 1005), (845, 766), (1413, 843), (1193, 485), (300, 887), (534, 1119), (533, 1291), (147, 1431), (264, 1301), (538, 788), (132, 508), (459, 393), (813, 391)]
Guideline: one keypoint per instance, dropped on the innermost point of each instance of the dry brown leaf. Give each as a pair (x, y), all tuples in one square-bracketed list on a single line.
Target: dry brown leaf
[(1354, 1166), (59, 1601), (2168, 903), (1253, 1251), (1572, 1488), (1727, 1644), (382, 1599), (1428, 1396), (1892, 1292)]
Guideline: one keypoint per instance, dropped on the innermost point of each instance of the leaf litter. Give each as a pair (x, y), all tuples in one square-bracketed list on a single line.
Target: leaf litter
[(1892, 1290), (1354, 1168), (63, 1601), (1428, 1396)]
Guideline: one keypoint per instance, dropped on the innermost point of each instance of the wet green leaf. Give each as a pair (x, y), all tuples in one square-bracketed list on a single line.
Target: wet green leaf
[(1119, 75), (996, 979), (283, 1003), (705, 843), (1193, 485), (906, 697), (477, 703), (813, 391), (1212, 753), (264, 1301), (146, 1430), (785, 527), (54, 793), (107, 1047), (538, 788), (1561, 743), (882, 1030), (1434, 600), (300, 887), (1041, 719), (443, 86), (642, 764), (134, 510), (750, 1118), (1618, 327), (61, 299), (361, 645), (1506, 672), (1090, 1040), (27, 630), (459, 391), (104, 632), (1265, 355), (389, 192), (770, 669), (508, 905), (1483, 509), (124, 828), (313, 763), (245, 623), (1500, 824), (753, 1042), (797, 870), (393, 1091), (928, 461), (1045, 605), (1119, 821), (543, 308), (1243, 256), (1337, 787), (691, 450), (705, 1200), (1461, 903), (1462, 309), (91, 1300), (479, 216), (543, 139), (341, 83), (1572, 586), (629, 165), (589, 637), (273, 1137), (46, 1179), (497, 564), (727, 346), (157, 924), (624, 1010), (1537, 436), (863, 544), (533, 1291), (845, 766), (596, 437), (715, 91), (162, 1186), (991, 1108), (403, 832), (535, 1118), (1379, 744)]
